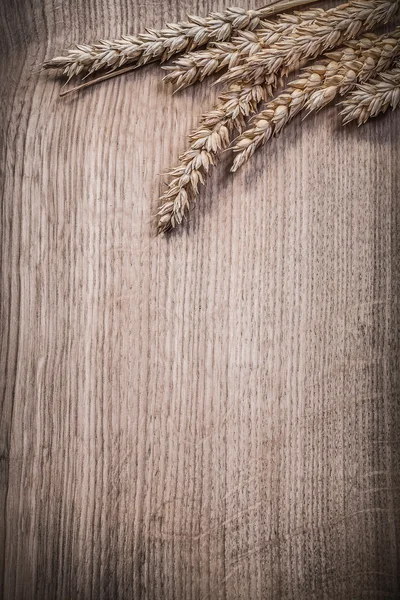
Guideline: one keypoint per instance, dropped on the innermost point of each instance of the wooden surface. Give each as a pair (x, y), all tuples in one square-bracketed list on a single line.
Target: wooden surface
[(213, 415)]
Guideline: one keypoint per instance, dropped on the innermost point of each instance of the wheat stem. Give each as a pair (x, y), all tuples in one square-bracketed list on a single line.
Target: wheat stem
[(318, 85), (161, 44)]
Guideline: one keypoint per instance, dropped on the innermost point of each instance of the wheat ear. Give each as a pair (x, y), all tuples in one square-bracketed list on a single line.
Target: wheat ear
[(161, 44), (317, 86), (374, 55), (370, 99), (207, 143), (242, 100), (339, 25), (195, 66)]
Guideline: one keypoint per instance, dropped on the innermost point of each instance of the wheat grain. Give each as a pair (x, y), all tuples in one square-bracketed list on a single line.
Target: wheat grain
[(339, 25), (318, 85), (161, 44), (207, 143), (370, 99), (195, 66)]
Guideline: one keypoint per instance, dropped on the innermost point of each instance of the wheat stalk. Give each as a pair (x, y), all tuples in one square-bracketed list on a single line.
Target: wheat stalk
[(195, 66), (161, 44), (364, 57), (312, 39), (207, 143), (317, 86), (370, 99)]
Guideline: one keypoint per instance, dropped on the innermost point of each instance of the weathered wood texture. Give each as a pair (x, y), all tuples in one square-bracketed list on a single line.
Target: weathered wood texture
[(213, 415)]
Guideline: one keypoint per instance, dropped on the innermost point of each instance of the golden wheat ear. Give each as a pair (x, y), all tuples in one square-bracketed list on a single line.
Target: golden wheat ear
[(318, 85), (373, 98), (207, 143)]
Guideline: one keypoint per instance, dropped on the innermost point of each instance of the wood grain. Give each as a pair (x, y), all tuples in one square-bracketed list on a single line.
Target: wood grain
[(213, 415)]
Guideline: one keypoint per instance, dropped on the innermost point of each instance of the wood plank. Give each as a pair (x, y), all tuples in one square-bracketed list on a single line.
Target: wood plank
[(210, 415)]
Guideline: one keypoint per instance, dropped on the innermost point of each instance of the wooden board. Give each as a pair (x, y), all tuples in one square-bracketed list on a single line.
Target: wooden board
[(213, 415)]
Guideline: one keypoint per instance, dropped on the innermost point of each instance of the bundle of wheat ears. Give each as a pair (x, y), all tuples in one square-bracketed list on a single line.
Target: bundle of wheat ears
[(256, 50)]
